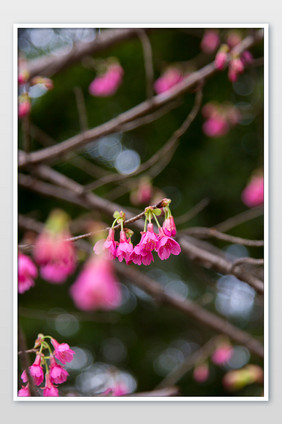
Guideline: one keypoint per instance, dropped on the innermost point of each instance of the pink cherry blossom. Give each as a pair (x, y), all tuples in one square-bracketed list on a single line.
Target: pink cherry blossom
[(149, 239), (24, 108), (253, 194), (220, 60), (167, 246), (124, 248), (169, 227), (222, 354), (55, 254), (62, 351), (169, 79), (58, 374), (201, 373), (109, 245), (210, 41), (36, 372), (108, 83), (96, 287), (49, 390), (119, 389), (236, 67), (24, 391), (26, 273)]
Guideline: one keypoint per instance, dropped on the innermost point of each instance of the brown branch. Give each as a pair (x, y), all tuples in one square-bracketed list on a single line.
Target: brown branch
[(50, 64), (250, 261), (203, 232), (166, 149), (241, 218), (212, 261), (190, 308), (147, 106)]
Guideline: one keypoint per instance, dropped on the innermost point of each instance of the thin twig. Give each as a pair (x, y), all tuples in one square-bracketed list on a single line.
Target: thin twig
[(240, 218), (190, 308), (204, 232), (250, 261), (148, 61), (192, 212)]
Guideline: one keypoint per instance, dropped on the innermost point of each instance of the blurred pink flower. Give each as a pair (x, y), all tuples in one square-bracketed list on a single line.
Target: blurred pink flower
[(253, 194), (118, 389), (62, 351), (236, 67), (247, 57), (210, 41), (24, 391), (24, 107), (220, 60), (201, 373), (26, 273), (96, 286), (167, 246), (108, 83), (222, 354), (143, 193), (49, 390), (233, 38), (215, 126), (169, 79), (107, 246), (36, 372)]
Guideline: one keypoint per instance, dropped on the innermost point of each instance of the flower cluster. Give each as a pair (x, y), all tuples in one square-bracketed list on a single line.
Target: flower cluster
[(219, 118), (222, 353), (53, 251), (107, 83), (253, 193), (54, 372), (168, 79), (162, 242)]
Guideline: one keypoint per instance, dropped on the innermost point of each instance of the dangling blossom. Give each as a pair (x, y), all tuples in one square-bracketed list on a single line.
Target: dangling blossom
[(49, 390), (140, 256), (62, 351), (167, 246), (236, 67), (201, 372), (124, 248), (53, 251), (169, 227), (149, 239), (222, 354), (58, 374), (96, 286), (221, 57), (109, 245), (24, 391), (169, 79), (210, 41), (108, 83), (26, 273), (253, 193), (36, 372)]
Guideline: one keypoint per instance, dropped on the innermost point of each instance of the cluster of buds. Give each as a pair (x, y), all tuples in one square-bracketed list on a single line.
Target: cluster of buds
[(24, 102), (237, 379), (171, 77), (219, 118), (108, 80), (162, 242), (220, 356), (54, 251), (54, 372), (237, 63), (253, 193)]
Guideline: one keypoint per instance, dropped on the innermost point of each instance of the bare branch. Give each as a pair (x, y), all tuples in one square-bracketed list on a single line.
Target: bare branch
[(241, 218), (203, 232)]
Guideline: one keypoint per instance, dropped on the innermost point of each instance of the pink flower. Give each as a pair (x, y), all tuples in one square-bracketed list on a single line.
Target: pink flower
[(58, 374), (62, 351), (139, 256), (220, 60), (24, 391), (108, 83), (24, 107), (36, 372), (109, 245), (233, 39), (143, 193), (26, 273), (124, 248), (169, 227), (169, 79), (96, 287), (201, 373), (236, 67), (56, 255), (49, 390), (167, 246), (222, 354), (210, 41), (253, 194), (118, 389), (149, 240), (215, 126)]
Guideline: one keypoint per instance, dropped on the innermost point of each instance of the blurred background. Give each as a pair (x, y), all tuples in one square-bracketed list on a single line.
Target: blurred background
[(139, 343)]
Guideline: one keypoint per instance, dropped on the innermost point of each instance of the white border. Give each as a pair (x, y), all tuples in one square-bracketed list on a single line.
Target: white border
[(266, 218)]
